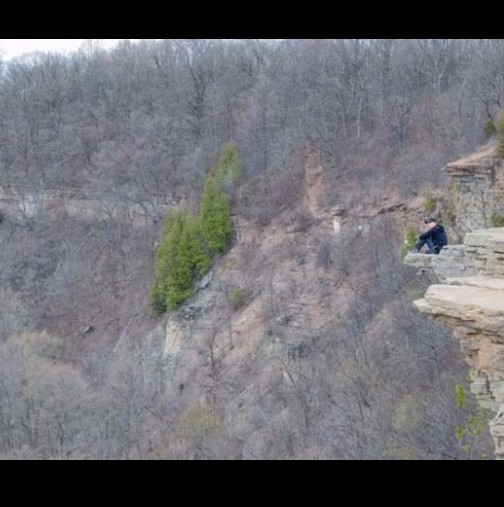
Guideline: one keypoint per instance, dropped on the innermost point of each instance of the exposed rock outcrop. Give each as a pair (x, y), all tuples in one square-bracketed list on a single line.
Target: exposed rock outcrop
[(450, 263), (485, 251), (474, 307), (478, 185)]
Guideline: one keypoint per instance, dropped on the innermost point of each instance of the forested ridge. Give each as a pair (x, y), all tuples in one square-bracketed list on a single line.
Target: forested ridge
[(322, 356)]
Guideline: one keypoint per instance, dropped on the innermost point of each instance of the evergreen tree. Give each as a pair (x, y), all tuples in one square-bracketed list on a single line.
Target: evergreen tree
[(228, 170), (188, 242), (197, 251), (166, 261), (215, 216), (180, 276), (183, 254)]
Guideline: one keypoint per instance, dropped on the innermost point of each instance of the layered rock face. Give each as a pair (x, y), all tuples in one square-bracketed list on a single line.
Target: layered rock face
[(478, 185), (471, 300), (450, 263)]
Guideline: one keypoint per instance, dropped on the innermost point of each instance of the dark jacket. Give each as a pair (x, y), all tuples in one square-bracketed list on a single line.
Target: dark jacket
[(437, 234)]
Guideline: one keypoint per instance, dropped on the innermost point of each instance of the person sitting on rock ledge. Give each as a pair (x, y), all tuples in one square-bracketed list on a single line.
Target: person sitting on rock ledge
[(435, 238)]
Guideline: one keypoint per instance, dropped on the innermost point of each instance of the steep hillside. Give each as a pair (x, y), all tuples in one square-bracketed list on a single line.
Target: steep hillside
[(303, 342), (326, 358)]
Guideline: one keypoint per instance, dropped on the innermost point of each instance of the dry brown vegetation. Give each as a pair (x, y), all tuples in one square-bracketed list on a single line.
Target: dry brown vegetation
[(325, 357)]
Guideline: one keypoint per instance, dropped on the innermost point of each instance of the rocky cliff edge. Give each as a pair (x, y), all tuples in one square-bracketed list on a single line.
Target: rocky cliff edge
[(470, 299)]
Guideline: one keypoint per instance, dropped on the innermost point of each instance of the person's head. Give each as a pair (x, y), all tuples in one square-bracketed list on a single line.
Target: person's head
[(431, 222)]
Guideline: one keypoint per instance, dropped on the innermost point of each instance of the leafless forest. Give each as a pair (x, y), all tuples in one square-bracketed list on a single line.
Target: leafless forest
[(131, 133)]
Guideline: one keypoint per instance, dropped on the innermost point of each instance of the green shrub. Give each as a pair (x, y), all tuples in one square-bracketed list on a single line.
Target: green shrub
[(459, 396), (410, 240), (215, 215), (238, 298), (2, 216), (471, 432), (500, 136), (497, 220)]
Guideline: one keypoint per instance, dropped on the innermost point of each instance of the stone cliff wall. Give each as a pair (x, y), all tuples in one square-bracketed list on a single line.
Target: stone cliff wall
[(471, 301), (478, 189), (450, 263), (481, 254)]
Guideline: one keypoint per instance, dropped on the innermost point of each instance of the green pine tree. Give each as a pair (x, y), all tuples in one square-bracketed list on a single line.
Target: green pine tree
[(189, 242), (180, 276), (198, 251), (183, 254), (166, 261), (215, 215), (228, 170)]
